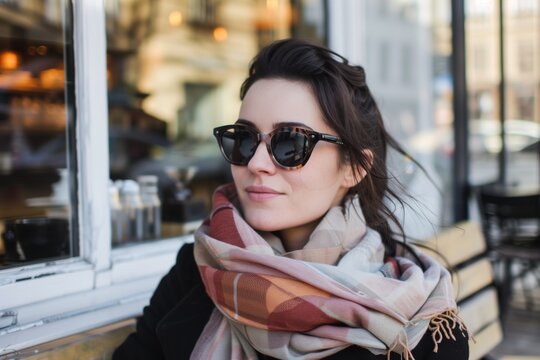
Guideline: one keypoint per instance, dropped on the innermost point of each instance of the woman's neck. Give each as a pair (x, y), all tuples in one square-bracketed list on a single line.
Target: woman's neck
[(296, 238)]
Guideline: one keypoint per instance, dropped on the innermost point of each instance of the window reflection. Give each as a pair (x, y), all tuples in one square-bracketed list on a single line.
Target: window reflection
[(34, 176), (412, 80), (174, 72), (522, 79)]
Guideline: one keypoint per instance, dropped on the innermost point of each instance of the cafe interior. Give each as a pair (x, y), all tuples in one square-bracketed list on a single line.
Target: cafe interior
[(108, 163)]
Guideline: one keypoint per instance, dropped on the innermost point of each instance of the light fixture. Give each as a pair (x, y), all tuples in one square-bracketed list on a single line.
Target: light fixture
[(220, 34), (41, 50), (9, 60), (272, 4), (175, 18)]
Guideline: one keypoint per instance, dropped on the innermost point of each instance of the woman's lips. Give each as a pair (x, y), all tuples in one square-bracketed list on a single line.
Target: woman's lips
[(261, 193)]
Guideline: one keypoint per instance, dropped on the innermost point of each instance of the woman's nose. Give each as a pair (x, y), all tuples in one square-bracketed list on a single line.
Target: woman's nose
[(262, 160)]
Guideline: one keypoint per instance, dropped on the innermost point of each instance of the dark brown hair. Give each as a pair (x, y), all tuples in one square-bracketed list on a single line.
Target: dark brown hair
[(348, 108)]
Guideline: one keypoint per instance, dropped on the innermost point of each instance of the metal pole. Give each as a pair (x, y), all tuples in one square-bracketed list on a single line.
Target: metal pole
[(502, 98), (461, 152)]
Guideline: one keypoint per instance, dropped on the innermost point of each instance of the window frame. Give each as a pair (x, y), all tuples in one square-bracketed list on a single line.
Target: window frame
[(102, 285)]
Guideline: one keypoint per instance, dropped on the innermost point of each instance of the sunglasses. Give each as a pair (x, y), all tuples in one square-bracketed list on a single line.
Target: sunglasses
[(289, 147)]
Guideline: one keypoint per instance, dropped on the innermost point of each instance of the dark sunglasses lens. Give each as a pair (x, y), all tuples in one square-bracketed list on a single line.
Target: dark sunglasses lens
[(238, 145), (290, 147)]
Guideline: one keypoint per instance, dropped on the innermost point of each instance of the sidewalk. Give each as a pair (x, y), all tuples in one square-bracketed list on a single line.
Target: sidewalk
[(522, 336)]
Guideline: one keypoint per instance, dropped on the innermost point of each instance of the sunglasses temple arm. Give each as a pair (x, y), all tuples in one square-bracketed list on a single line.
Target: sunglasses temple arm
[(331, 138)]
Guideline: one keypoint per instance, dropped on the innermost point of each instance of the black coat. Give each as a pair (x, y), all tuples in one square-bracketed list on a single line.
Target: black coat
[(179, 309)]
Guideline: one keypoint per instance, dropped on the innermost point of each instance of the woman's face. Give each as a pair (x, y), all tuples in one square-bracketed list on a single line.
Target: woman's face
[(288, 201)]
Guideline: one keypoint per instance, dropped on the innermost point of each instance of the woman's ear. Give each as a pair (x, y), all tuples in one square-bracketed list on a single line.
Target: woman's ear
[(355, 174)]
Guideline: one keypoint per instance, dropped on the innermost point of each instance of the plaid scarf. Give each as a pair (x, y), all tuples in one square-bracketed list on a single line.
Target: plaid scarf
[(337, 291)]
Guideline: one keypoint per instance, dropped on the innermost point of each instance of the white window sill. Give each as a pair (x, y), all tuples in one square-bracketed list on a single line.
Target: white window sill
[(81, 300)]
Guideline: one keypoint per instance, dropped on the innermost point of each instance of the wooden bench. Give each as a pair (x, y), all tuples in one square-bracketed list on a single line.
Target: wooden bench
[(464, 249)]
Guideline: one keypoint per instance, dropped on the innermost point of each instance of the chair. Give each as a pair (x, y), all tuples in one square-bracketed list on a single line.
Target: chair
[(511, 225)]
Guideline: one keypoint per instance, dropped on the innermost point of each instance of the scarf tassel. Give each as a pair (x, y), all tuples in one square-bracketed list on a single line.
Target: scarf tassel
[(406, 353), (442, 326)]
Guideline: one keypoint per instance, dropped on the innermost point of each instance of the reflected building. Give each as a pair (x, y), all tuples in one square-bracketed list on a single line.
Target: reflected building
[(521, 48)]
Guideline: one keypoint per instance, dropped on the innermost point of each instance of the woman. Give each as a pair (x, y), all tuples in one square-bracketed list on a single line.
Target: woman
[(297, 259)]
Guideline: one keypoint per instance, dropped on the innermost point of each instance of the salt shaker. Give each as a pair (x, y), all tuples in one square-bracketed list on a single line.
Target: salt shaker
[(151, 206), (132, 209), (116, 214)]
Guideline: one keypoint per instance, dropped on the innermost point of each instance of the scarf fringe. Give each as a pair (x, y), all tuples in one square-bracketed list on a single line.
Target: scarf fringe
[(405, 353), (442, 326)]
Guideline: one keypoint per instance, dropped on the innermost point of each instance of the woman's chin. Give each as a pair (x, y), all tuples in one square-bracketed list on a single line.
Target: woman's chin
[(262, 226), (261, 223)]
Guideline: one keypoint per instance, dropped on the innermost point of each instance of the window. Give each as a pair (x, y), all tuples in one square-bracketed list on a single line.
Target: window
[(483, 93), (384, 62), (406, 64), (37, 216), (523, 7), (152, 77), (480, 8), (525, 106), (519, 166), (525, 58), (479, 58), (169, 86), (416, 105), (383, 9)]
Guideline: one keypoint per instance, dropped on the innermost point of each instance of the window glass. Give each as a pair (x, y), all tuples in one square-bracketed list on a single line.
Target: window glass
[(480, 8), (521, 100), (482, 68), (36, 99), (384, 56), (408, 50), (522, 7), (175, 68)]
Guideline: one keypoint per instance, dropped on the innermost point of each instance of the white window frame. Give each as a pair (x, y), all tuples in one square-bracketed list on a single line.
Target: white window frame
[(50, 300)]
